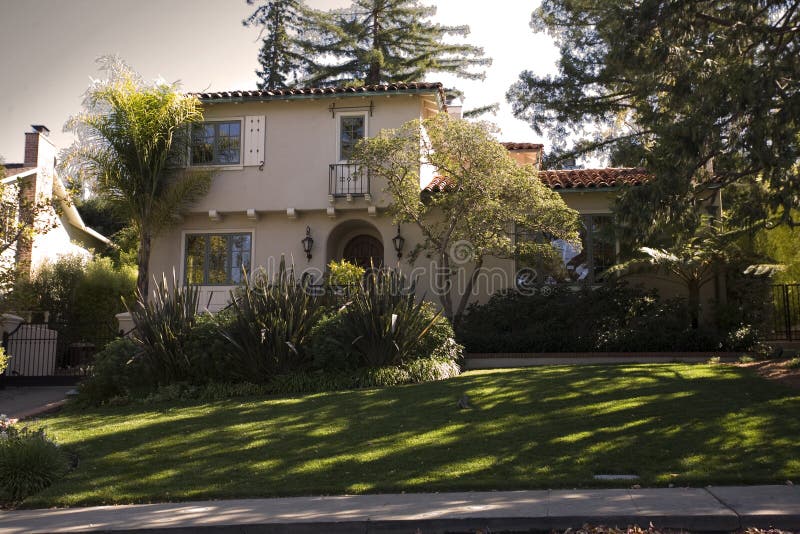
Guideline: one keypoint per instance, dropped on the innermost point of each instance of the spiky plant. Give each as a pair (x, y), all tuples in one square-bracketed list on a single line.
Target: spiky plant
[(163, 325), (273, 318), (383, 323)]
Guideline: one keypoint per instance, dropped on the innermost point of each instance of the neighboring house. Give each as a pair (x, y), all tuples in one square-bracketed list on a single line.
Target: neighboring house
[(58, 230), (284, 182)]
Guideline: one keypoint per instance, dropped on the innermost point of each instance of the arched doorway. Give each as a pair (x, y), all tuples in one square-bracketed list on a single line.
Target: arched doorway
[(364, 250)]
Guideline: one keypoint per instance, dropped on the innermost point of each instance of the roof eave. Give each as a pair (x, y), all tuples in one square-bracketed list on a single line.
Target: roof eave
[(362, 94)]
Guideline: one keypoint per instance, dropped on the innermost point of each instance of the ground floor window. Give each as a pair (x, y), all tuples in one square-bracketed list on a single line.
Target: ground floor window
[(216, 259), (573, 262)]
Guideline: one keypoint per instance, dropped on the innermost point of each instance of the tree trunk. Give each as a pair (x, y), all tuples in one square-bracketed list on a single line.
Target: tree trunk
[(444, 277), (462, 305), (374, 75), (694, 303), (143, 262)]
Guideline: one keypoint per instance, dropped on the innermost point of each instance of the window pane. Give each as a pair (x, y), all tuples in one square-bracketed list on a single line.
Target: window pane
[(218, 259), (559, 262), (195, 258), (202, 144), (216, 143), (351, 131), (240, 256), (603, 243), (228, 141)]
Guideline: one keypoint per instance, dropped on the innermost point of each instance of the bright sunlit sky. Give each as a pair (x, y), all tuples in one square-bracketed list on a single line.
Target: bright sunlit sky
[(48, 50)]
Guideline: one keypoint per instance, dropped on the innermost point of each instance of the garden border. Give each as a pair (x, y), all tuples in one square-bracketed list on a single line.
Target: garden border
[(493, 360)]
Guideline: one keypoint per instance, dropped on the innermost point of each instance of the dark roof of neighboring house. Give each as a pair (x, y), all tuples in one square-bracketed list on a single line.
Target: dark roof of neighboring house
[(413, 87), (573, 178), (13, 169), (594, 178), (522, 146)]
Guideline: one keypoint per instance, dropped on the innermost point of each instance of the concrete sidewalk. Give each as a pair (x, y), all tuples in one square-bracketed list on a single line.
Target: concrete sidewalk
[(709, 509), (23, 402)]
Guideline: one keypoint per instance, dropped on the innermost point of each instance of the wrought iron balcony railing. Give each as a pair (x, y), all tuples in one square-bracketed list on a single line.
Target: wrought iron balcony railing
[(347, 180)]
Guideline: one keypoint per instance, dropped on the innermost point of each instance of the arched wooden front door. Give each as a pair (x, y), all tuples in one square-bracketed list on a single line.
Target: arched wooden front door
[(364, 250)]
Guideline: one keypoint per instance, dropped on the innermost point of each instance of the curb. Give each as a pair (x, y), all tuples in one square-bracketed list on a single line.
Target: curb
[(723, 509)]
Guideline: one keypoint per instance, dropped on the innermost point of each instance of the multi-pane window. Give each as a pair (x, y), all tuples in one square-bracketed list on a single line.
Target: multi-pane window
[(217, 259), (352, 128), (574, 262), (217, 143)]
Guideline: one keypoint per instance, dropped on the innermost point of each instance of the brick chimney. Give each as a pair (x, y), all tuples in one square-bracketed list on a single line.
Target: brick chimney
[(32, 144), (39, 152)]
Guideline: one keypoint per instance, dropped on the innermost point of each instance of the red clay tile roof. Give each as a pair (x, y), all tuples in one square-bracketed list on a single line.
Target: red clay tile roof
[(522, 146), (573, 178), (413, 87), (594, 178)]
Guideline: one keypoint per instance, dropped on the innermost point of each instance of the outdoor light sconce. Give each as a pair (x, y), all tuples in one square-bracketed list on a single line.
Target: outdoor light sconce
[(398, 241), (307, 242)]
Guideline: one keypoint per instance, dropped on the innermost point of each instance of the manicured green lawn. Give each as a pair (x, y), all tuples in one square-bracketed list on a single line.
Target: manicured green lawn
[(550, 427)]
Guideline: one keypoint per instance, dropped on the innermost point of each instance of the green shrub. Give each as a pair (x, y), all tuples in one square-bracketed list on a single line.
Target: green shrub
[(100, 295), (794, 363), (608, 318), (163, 325), (116, 373), (29, 462), (413, 372), (209, 351), (4, 358), (344, 273), (271, 325), (81, 297)]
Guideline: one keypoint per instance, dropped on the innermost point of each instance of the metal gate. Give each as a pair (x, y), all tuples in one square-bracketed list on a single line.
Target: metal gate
[(50, 354), (785, 312)]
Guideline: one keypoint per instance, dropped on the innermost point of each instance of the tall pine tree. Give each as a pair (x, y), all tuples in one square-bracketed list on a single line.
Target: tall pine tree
[(282, 56), (703, 92), (385, 41)]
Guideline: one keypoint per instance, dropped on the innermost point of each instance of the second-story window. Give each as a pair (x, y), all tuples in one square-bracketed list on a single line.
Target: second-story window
[(217, 143), (352, 128)]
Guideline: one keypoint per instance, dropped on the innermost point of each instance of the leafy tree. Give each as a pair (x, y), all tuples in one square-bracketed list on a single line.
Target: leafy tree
[(282, 56), (385, 41), (471, 217), (693, 262), (704, 93), (782, 246), (131, 139)]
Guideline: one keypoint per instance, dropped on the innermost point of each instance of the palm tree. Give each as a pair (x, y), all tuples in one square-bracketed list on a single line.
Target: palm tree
[(132, 143), (694, 261)]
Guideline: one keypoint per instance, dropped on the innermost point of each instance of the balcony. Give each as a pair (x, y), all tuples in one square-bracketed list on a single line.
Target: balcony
[(348, 180)]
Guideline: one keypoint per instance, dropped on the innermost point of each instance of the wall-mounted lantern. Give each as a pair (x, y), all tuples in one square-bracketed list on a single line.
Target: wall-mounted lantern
[(307, 242), (398, 241)]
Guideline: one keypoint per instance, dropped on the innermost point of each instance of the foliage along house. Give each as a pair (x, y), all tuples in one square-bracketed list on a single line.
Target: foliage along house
[(284, 186), (58, 229)]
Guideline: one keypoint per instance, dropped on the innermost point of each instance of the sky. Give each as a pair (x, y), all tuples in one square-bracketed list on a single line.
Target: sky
[(48, 52)]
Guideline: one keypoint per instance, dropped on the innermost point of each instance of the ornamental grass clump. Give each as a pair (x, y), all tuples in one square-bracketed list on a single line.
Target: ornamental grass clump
[(163, 325), (271, 325), (29, 462)]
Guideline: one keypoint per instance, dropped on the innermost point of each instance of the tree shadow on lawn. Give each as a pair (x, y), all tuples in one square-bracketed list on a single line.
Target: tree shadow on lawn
[(534, 428)]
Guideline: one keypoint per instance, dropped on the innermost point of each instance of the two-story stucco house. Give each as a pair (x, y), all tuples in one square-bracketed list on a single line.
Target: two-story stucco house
[(284, 187)]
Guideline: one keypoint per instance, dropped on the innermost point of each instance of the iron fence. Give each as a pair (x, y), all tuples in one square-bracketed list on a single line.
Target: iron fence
[(785, 312), (43, 353), (347, 179)]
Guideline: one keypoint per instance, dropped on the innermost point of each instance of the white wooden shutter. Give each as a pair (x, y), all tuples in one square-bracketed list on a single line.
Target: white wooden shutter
[(254, 127)]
